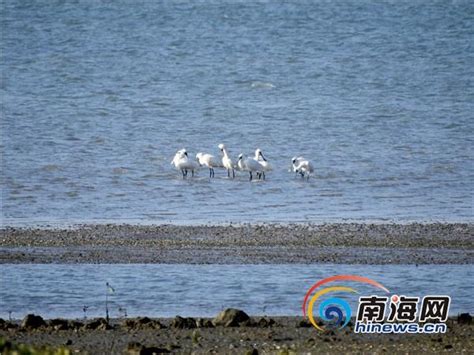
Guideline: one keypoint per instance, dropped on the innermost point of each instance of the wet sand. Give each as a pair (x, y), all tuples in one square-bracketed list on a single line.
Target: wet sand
[(435, 243), (276, 335)]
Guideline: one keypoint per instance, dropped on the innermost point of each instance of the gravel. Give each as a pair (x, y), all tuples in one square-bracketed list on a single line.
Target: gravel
[(351, 243)]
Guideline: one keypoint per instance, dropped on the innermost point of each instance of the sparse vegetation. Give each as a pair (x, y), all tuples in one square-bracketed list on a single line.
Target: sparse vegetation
[(8, 347)]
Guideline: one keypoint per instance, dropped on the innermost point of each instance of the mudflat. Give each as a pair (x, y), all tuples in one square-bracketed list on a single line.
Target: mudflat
[(259, 335), (345, 243)]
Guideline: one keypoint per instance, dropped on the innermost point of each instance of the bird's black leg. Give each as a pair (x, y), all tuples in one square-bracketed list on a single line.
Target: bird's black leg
[(192, 173), (263, 174), (228, 173), (210, 172), (233, 174), (250, 176)]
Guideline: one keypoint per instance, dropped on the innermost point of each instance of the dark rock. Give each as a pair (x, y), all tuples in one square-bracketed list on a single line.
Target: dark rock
[(183, 323), (59, 324), (252, 352), (304, 324), (104, 326), (129, 323), (153, 350), (98, 324), (73, 324), (9, 325), (464, 318), (142, 323), (283, 339), (32, 321), (449, 346), (158, 325), (134, 345), (248, 323), (135, 348), (68, 342), (143, 320), (265, 323), (230, 317), (204, 323)]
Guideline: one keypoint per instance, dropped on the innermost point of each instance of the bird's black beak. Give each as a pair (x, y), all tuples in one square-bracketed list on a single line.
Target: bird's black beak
[(264, 159), (186, 153)]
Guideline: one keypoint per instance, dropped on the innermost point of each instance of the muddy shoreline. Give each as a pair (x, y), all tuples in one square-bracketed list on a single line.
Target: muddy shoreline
[(351, 243), (258, 335)]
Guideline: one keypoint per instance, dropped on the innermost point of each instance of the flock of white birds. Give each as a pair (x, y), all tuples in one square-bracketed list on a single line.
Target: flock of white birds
[(258, 165)]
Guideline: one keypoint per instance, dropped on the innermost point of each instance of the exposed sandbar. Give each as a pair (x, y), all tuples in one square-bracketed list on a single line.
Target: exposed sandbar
[(436, 243)]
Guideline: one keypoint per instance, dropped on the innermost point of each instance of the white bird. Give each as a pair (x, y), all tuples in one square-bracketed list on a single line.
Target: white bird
[(266, 166), (295, 162), (182, 162), (208, 160), (250, 165), (302, 166), (227, 161), (180, 154)]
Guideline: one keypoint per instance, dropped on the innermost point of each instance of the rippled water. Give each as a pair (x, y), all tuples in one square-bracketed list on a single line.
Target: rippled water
[(97, 97), (203, 290)]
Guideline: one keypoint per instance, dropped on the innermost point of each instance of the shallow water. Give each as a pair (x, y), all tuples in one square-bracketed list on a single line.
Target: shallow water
[(203, 290), (96, 98)]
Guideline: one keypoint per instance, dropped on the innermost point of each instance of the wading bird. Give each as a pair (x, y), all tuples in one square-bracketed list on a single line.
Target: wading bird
[(302, 166), (226, 161), (250, 165), (182, 162), (266, 166), (209, 161)]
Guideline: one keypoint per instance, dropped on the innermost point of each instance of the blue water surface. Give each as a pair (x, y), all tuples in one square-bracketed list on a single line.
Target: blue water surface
[(97, 96), (161, 290)]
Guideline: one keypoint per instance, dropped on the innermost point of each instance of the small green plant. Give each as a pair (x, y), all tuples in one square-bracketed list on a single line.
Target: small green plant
[(195, 337), (10, 348)]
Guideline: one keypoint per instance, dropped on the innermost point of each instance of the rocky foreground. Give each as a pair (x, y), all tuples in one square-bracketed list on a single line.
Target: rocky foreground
[(436, 243), (231, 332)]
